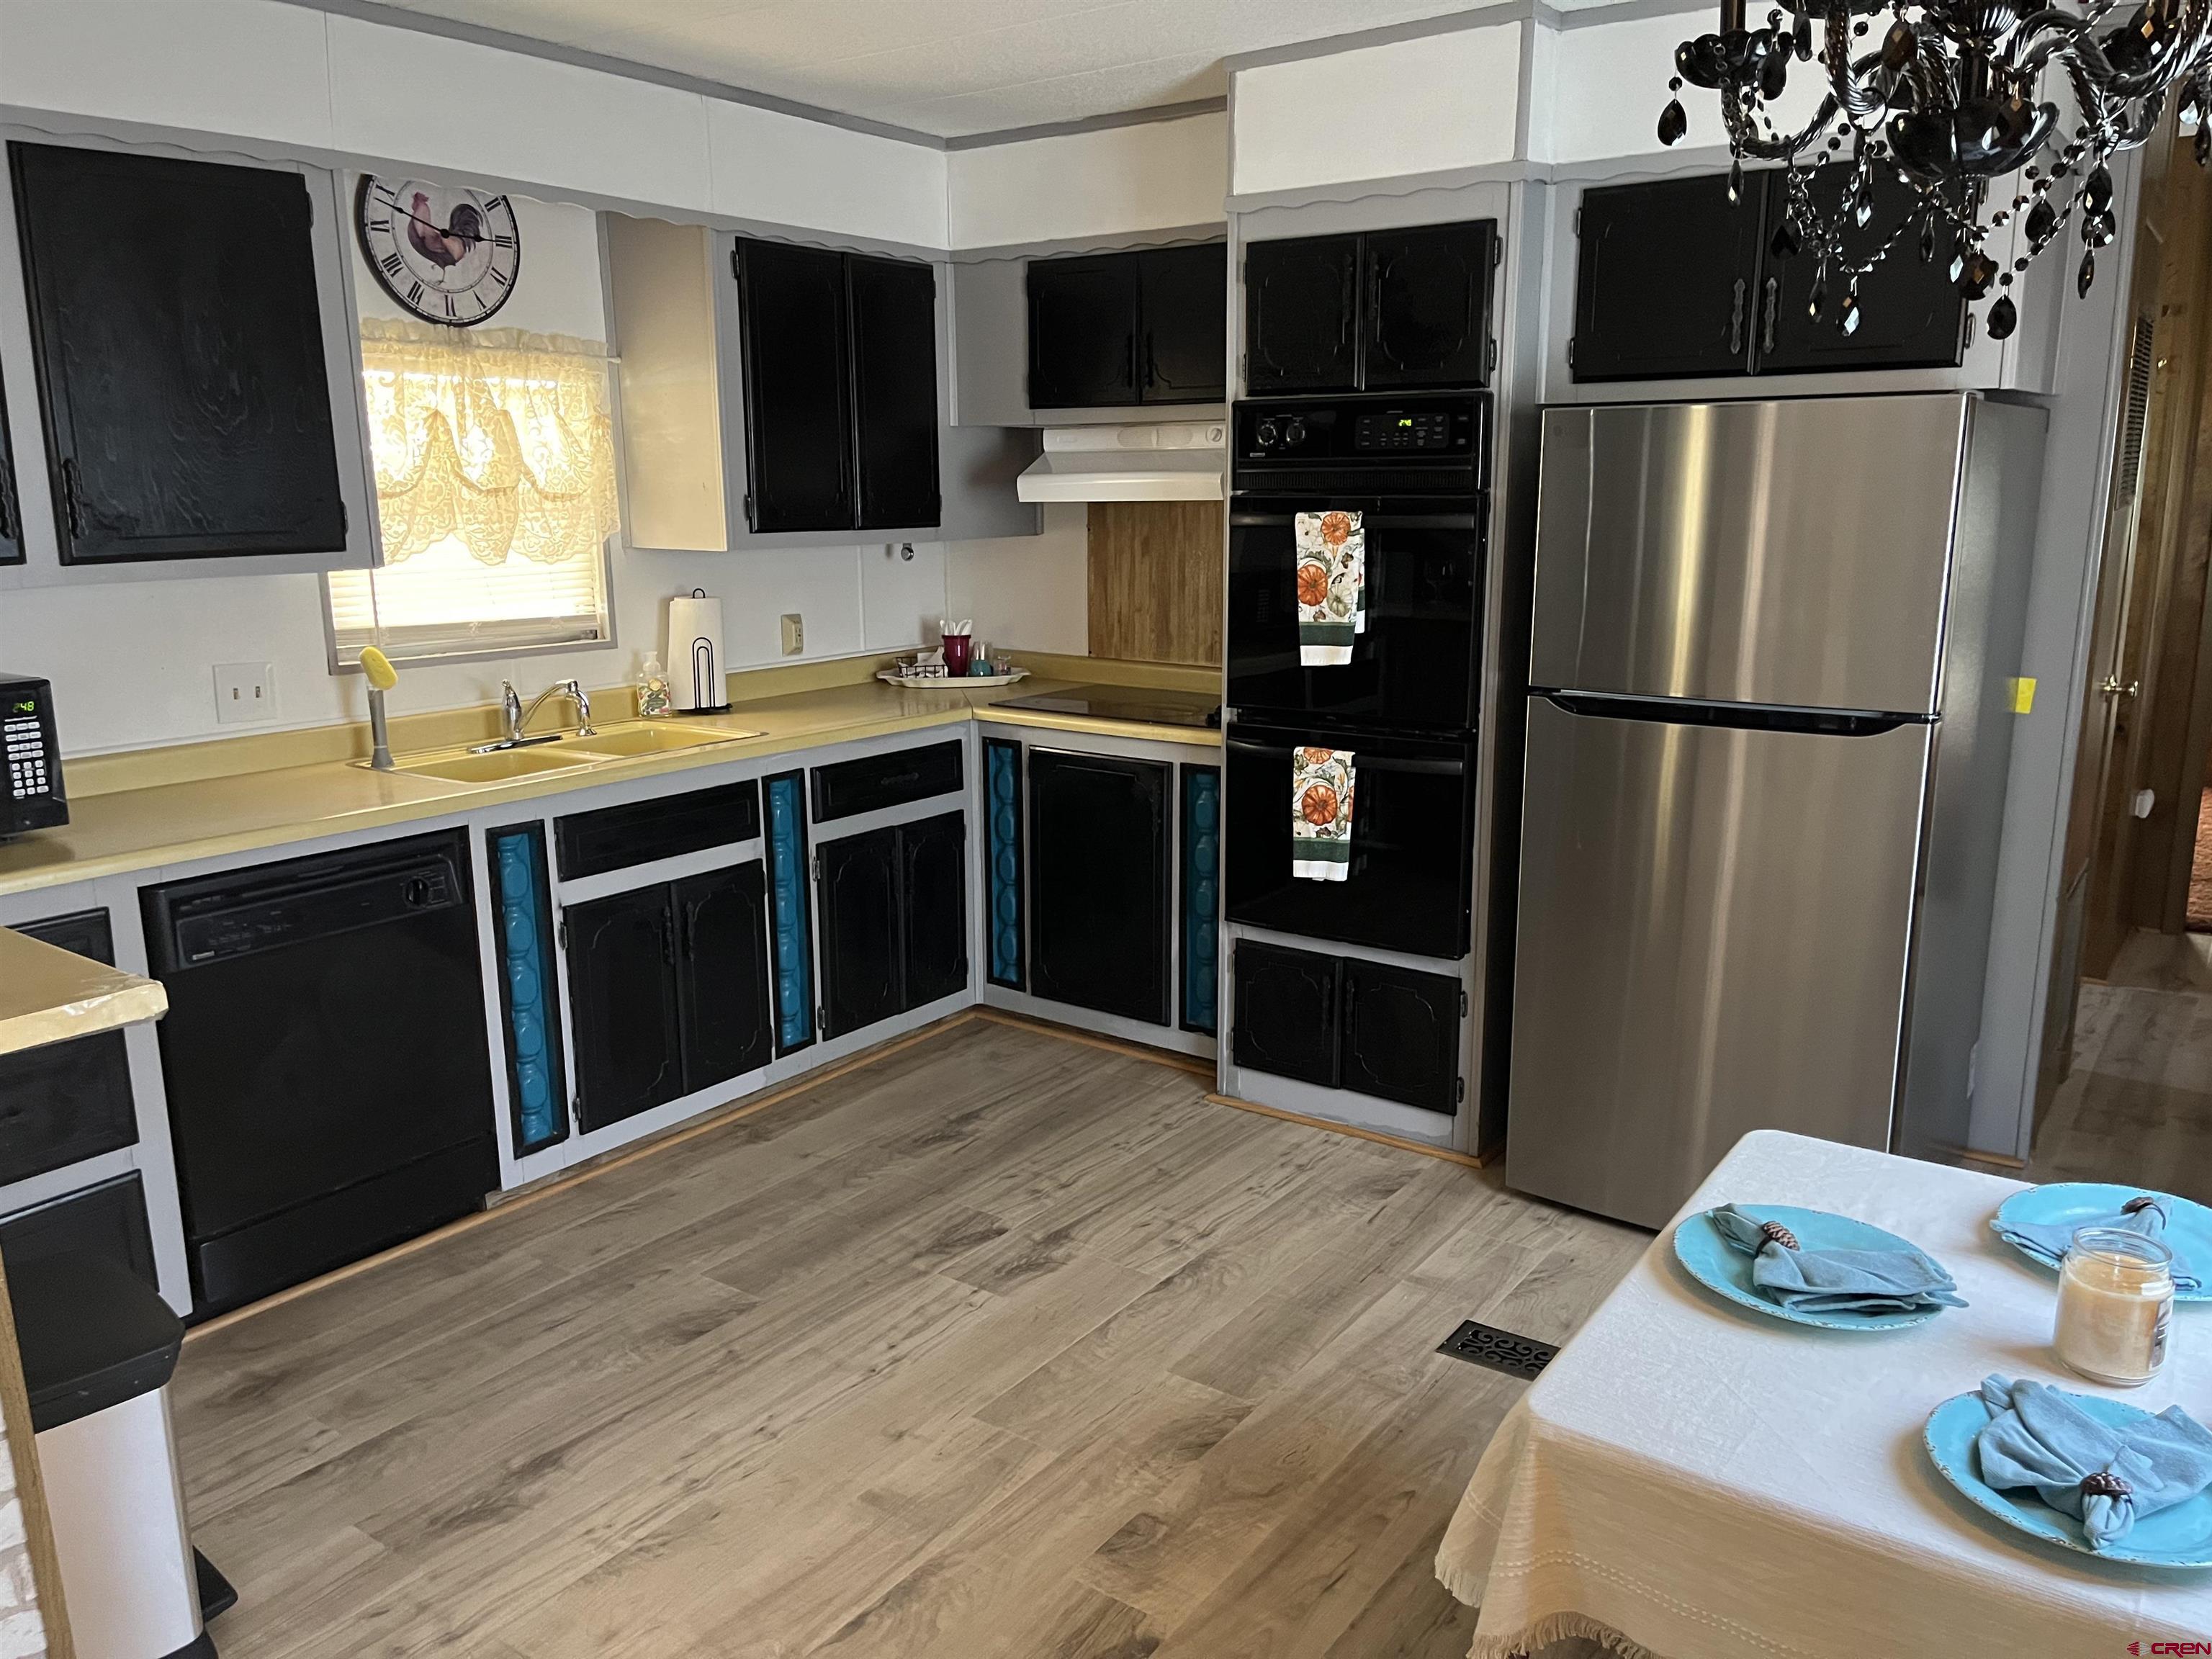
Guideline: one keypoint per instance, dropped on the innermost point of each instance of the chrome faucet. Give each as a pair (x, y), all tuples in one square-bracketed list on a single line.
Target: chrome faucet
[(518, 713)]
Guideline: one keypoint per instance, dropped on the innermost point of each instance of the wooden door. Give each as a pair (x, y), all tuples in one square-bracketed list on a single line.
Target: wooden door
[(1098, 882), (721, 932), (1663, 280), (622, 1005), (933, 907), (1302, 315), (892, 305), (1184, 306), (1083, 332), (1910, 314), (862, 974), (178, 344), (1428, 306), (798, 472)]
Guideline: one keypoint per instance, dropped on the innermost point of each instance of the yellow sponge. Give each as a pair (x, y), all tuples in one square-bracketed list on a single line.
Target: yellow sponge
[(377, 666)]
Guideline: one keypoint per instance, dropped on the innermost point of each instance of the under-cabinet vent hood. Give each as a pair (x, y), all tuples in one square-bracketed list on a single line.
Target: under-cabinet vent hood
[(1174, 461)]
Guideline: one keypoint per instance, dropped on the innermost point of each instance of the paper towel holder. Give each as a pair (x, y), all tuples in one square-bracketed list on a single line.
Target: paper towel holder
[(700, 659)]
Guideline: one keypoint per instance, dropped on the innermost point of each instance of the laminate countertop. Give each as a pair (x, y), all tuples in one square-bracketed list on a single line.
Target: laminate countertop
[(48, 994), (132, 830)]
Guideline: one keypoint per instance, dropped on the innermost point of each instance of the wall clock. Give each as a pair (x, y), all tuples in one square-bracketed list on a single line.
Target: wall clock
[(447, 254)]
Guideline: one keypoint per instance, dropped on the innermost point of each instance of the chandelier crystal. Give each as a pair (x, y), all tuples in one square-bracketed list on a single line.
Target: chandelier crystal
[(1948, 101)]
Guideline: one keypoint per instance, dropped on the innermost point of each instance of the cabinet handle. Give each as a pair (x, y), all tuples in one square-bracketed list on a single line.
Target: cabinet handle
[(1766, 328), (1151, 363), (1350, 303), (667, 938), (6, 510), (70, 510), (1736, 319)]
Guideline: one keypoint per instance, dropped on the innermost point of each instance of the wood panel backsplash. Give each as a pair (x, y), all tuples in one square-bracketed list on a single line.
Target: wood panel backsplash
[(1156, 575)]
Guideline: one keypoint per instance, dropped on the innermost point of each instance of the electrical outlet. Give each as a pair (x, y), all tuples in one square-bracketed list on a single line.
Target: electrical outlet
[(794, 634), (244, 692)]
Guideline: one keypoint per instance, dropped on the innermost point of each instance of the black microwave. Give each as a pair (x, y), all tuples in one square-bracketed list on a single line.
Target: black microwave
[(31, 795)]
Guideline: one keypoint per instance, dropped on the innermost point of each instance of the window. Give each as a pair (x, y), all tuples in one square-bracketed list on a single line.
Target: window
[(494, 455)]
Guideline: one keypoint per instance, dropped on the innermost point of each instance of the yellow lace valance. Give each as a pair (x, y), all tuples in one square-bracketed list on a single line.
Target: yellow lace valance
[(495, 437)]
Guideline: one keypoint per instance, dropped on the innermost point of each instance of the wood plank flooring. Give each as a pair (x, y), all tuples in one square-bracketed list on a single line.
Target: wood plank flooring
[(1002, 1346)]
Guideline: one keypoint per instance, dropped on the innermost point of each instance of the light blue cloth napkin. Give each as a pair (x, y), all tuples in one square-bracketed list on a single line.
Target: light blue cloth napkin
[(2039, 1436), (2047, 1241), (1837, 1281)]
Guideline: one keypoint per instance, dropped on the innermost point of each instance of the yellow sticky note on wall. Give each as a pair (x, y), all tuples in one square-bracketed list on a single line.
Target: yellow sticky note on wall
[(2023, 697)]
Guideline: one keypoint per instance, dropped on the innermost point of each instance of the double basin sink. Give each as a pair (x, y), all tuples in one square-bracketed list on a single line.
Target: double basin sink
[(569, 752)]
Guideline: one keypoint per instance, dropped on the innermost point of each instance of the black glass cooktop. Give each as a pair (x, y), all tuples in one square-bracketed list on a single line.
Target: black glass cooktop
[(1124, 702)]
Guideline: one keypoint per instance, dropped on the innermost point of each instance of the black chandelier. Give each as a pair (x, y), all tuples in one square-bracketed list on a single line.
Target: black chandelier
[(1948, 103)]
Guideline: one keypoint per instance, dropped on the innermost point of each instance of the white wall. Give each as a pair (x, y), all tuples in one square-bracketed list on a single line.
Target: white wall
[(1031, 593), (1439, 102), (1617, 74), (132, 663), (1156, 176)]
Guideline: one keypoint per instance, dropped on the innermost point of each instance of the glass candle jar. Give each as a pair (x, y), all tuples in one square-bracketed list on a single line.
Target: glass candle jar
[(2115, 1305)]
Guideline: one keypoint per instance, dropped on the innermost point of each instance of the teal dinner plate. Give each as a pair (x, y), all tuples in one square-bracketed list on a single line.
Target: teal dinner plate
[(2188, 1224), (1720, 1266), (2177, 1537)]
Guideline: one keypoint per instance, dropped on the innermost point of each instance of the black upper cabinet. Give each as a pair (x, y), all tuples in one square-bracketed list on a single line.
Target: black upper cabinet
[(1099, 883), (1183, 311), (622, 1005), (933, 907), (1665, 280), (799, 462), (66, 1102), (1390, 308), (1083, 332), (1673, 280), (1911, 315), (1302, 315), (1428, 305), (721, 928), (1401, 1034), (178, 344), (861, 966), (11, 500), (893, 306)]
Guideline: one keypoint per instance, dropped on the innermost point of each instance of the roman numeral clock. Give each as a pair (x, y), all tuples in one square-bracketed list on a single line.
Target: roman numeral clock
[(447, 254)]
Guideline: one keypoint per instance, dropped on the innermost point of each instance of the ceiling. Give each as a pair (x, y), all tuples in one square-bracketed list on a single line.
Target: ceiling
[(948, 68)]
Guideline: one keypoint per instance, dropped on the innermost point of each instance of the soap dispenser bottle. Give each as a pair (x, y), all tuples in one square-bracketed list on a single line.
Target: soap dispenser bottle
[(654, 701)]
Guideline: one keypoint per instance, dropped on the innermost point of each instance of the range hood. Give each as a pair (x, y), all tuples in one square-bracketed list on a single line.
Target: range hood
[(1174, 461)]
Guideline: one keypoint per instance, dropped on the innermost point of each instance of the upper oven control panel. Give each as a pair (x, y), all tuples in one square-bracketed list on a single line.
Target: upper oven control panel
[(1340, 429)]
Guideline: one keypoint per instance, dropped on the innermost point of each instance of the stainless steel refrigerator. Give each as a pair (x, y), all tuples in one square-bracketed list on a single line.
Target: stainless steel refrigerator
[(1772, 663)]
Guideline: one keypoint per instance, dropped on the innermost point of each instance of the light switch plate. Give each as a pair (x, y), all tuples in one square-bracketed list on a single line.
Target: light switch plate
[(794, 634), (244, 692)]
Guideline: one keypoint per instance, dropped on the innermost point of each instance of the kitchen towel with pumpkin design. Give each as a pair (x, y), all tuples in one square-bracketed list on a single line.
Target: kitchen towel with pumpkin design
[(1332, 554), (1321, 813)]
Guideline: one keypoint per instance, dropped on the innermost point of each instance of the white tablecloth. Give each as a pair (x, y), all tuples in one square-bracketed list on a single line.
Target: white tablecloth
[(1697, 1482)]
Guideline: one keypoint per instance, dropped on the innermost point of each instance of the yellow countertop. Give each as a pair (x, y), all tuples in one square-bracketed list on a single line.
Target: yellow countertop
[(132, 830), (48, 994)]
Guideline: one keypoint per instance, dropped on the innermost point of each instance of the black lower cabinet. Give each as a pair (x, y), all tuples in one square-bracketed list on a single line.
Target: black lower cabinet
[(65, 1102), (109, 1220), (721, 927), (894, 920), (1287, 1013), (1401, 1035), (622, 1005), (1099, 883)]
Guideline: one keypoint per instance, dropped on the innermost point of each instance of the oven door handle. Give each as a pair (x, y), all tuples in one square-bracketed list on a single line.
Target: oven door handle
[(1362, 759), (1371, 521)]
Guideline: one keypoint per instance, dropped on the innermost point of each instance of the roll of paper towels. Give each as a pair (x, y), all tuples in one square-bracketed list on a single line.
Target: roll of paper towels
[(695, 665)]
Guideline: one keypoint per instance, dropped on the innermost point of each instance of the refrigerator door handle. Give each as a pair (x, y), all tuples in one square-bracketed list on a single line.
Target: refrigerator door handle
[(1741, 716)]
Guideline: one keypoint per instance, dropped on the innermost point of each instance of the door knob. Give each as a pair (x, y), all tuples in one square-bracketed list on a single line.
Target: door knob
[(2112, 688)]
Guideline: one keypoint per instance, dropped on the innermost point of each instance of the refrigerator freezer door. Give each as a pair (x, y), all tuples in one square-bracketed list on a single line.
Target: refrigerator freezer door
[(1714, 928), (1794, 553)]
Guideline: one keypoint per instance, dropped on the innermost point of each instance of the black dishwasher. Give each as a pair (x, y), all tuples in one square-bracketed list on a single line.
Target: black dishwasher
[(329, 1074)]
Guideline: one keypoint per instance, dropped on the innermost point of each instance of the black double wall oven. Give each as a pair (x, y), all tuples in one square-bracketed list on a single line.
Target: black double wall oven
[(1414, 467)]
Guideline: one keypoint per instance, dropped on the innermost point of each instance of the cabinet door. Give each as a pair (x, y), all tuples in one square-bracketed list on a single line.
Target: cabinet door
[(1287, 1013), (180, 354), (893, 306), (1401, 1036), (1098, 882), (791, 308), (1185, 308), (1428, 305), (1663, 280), (933, 907), (11, 509), (862, 977), (109, 1220), (622, 1005), (721, 935), (1083, 332), (65, 1102), (1302, 315), (1911, 316)]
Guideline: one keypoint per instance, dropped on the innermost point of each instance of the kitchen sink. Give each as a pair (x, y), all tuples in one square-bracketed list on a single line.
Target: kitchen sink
[(623, 741), (498, 767), (567, 753)]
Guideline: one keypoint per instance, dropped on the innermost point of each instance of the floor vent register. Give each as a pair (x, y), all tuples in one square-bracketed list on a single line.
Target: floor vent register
[(1501, 1350)]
